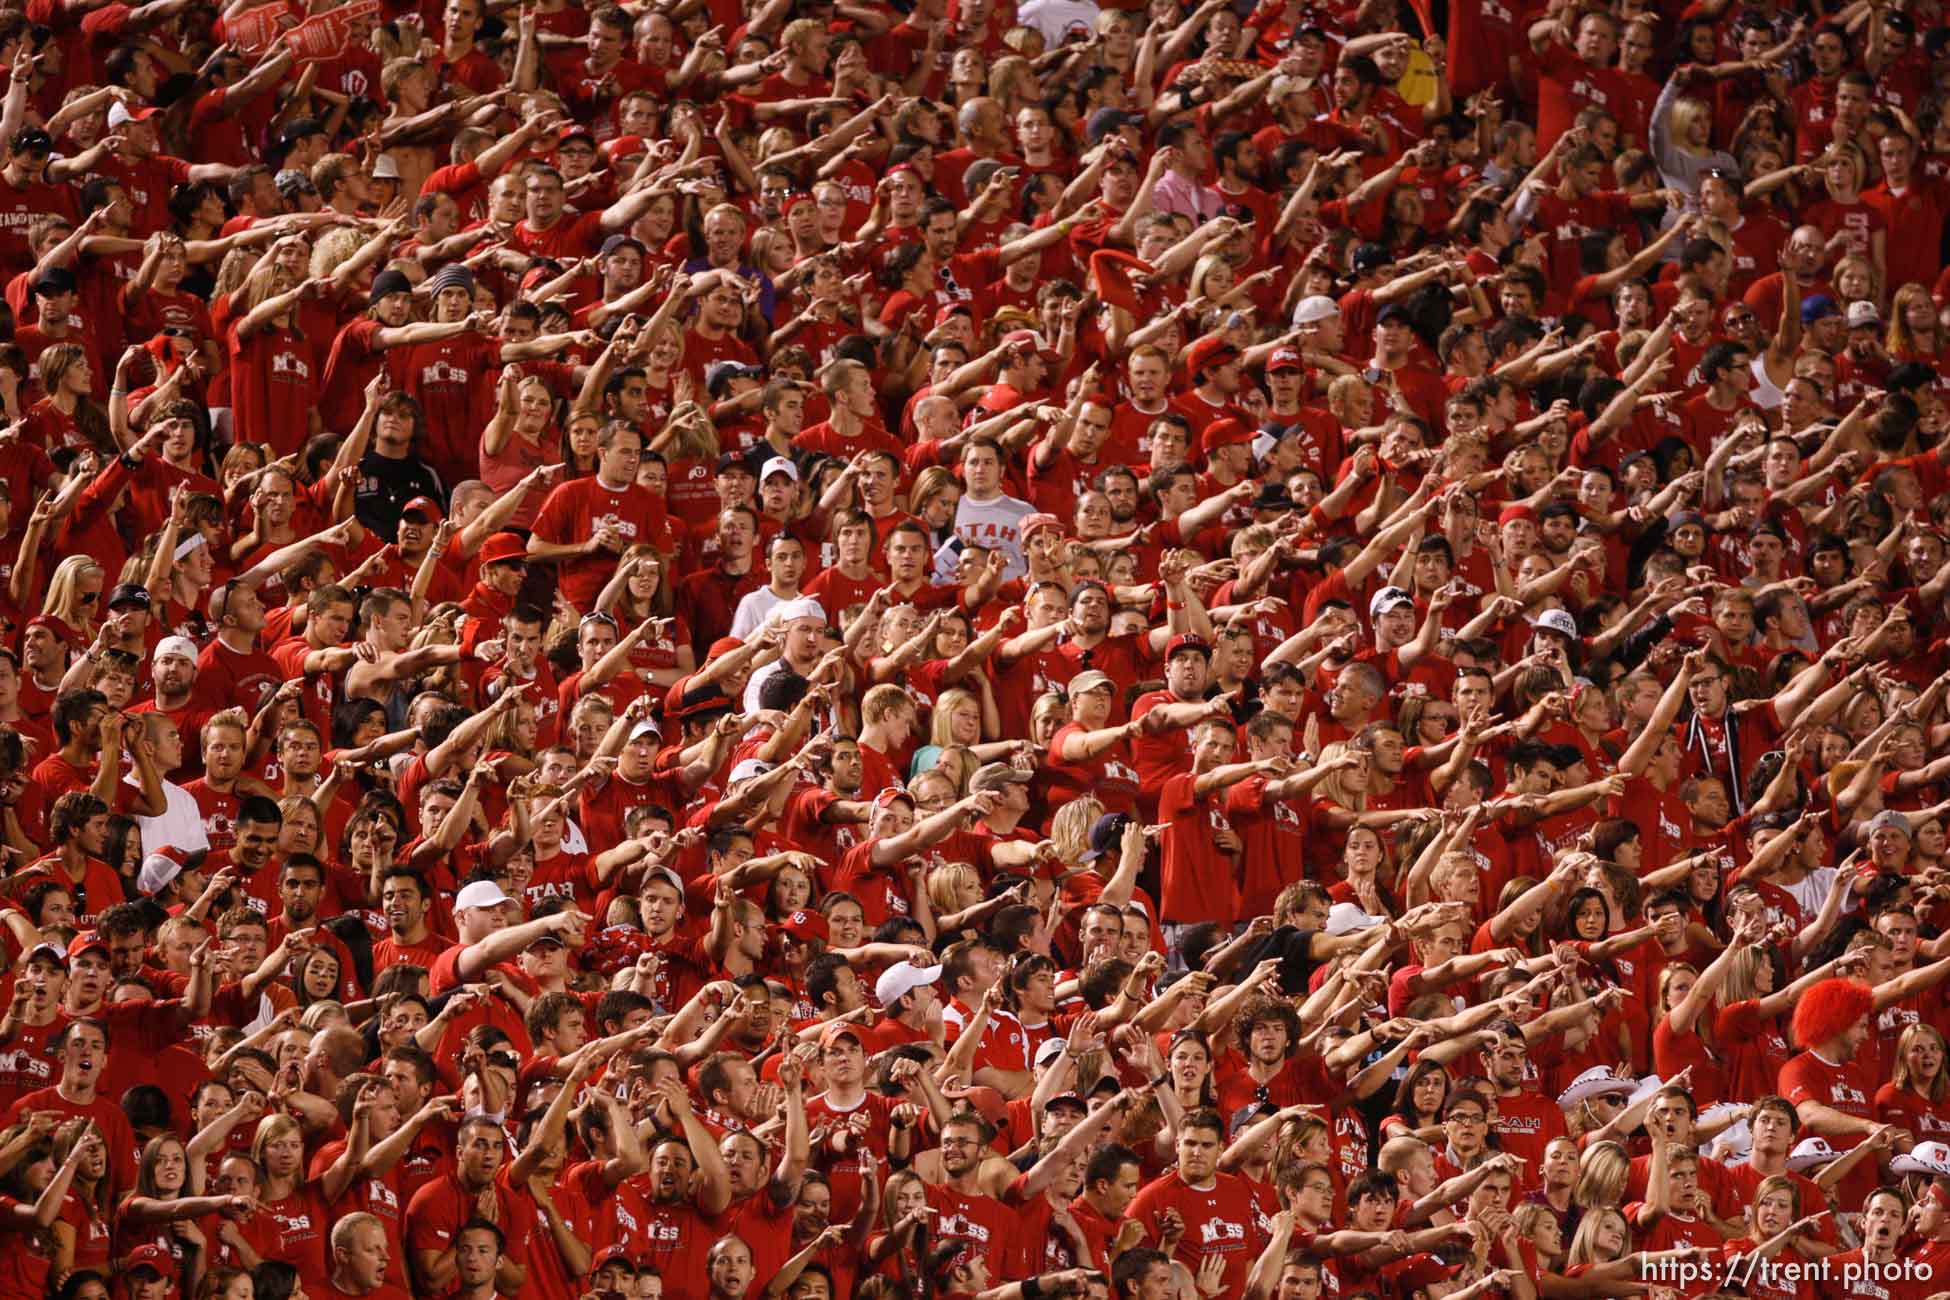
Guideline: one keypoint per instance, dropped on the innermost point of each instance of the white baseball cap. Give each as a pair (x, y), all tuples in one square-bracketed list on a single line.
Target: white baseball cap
[(158, 869), (901, 979), (748, 768), (180, 646), (1558, 621), (1348, 918), (778, 465), (482, 893), (1386, 599), (1317, 308)]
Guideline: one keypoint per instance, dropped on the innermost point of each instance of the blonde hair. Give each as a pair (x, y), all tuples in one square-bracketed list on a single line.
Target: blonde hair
[(1334, 786), (1584, 1246), (1602, 1172), (64, 591), (1939, 1083), (1686, 111), (1069, 828), (946, 883), (941, 727)]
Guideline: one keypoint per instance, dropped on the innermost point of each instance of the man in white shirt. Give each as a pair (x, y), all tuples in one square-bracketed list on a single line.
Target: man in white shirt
[(986, 516), (785, 559), (181, 824), (804, 623)]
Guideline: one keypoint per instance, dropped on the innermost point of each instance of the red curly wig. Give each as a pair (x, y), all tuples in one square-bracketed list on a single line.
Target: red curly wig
[(1828, 1009)]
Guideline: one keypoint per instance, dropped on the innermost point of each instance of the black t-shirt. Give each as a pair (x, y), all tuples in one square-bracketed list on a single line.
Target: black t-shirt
[(386, 485)]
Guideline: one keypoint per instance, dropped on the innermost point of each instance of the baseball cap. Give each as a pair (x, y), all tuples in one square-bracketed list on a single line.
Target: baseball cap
[(83, 941), (669, 876), (481, 893), (503, 548), (130, 593), (748, 768), (1106, 836), (1049, 1051), (1066, 1098), (1191, 641), (1386, 599), (1208, 353), (53, 281), (1421, 1271), (1226, 432), (1558, 621), (733, 462), (1817, 308), (1371, 257), (615, 242), (901, 979), (1890, 819), (839, 1029), (158, 869), (51, 953), (1863, 315), (1038, 523), (180, 647), (646, 727), (804, 925), (1091, 679), (720, 373), (152, 1256), (1105, 121), (291, 182), (1350, 918), (119, 115), (424, 506), (1317, 308), (993, 776), (778, 465), (1284, 359)]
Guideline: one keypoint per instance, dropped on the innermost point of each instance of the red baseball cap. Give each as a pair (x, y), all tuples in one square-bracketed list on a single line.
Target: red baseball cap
[(1285, 359), (426, 506), (151, 1255), (1226, 432), (503, 548), (1209, 353), (85, 940), (805, 925)]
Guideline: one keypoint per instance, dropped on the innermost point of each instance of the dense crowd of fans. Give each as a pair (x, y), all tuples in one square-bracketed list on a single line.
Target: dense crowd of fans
[(817, 649)]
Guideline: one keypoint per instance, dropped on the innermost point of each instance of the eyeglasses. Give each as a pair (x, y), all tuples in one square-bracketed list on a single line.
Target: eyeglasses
[(89, 597)]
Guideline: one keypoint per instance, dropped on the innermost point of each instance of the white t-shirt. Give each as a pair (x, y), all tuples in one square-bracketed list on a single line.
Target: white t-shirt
[(996, 524), (180, 826), (1057, 18)]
